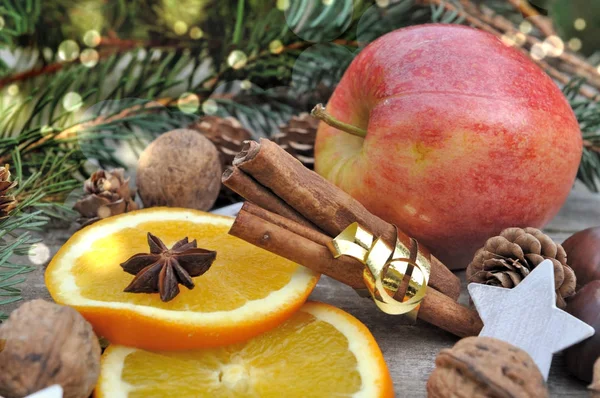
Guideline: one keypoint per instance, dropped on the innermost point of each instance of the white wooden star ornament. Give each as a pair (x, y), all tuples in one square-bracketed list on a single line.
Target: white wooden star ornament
[(526, 316), (54, 391)]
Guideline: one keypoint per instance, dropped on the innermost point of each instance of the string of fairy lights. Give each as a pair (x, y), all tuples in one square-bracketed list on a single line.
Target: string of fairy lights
[(70, 51)]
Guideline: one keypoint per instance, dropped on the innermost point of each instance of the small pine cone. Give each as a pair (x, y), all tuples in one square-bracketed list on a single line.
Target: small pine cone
[(7, 201), (298, 138), (227, 134), (484, 367), (508, 258), (107, 193)]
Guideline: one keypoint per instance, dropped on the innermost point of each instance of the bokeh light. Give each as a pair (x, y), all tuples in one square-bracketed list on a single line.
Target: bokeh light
[(246, 84), (188, 103), (526, 27), (327, 2), (89, 57), (72, 101), (554, 46), (598, 69), (68, 50), (538, 52), (196, 33), (508, 40), (276, 47), (47, 53), (92, 38), (82, 16), (283, 5), (210, 107), (575, 44), (180, 28), (382, 3), (104, 212), (514, 39), (237, 59), (39, 253), (12, 90), (520, 38), (580, 24), (45, 129)]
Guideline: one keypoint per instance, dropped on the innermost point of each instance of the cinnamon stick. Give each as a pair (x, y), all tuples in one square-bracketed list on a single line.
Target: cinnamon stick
[(287, 241), (321, 202), (290, 225), (247, 187), (296, 248)]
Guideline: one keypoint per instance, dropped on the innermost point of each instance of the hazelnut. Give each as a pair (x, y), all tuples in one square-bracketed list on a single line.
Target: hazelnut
[(583, 254), (45, 344), (181, 168), (585, 305), (484, 367)]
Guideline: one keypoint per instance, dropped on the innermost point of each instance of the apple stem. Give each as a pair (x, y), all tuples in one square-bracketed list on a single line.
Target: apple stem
[(320, 113)]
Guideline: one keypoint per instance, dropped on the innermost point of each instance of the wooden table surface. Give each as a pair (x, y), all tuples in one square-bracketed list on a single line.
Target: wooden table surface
[(409, 350)]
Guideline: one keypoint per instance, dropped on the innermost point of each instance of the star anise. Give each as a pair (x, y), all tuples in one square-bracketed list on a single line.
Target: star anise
[(163, 269)]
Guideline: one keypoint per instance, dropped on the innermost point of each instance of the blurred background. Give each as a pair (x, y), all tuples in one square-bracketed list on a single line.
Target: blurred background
[(577, 19)]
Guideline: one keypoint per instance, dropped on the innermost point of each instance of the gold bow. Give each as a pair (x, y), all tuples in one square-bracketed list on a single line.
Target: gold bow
[(386, 269)]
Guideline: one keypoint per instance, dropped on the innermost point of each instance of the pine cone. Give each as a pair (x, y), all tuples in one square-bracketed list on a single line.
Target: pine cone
[(107, 193), (227, 134), (298, 138), (506, 259), (7, 202)]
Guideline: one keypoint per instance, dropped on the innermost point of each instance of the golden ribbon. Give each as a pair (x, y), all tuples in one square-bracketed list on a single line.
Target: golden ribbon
[(386, 269)]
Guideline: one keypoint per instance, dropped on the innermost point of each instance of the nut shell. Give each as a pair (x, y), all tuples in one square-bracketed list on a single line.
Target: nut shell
[(483, 367), (581, 357), (583, 252), (180, 168), (47, 344)]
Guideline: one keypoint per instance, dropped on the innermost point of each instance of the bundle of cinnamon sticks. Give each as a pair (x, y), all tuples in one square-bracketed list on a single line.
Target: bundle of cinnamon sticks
[(293, 212)]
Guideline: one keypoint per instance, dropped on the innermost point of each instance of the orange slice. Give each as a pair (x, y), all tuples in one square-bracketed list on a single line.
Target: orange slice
[(246, 291), (321, 351)]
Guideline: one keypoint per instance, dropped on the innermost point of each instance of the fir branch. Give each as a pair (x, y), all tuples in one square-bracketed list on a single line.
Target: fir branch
[(20, 19), (481, 18), (30, 215), (108, 47), (588, 116), (239, 20), (543, 23)]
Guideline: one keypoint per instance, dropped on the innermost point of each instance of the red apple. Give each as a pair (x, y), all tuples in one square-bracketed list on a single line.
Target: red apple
[(463, 136)]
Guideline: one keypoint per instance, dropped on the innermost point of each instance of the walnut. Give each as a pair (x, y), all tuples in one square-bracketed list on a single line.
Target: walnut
[(483, 367), (106, 193), (180, 168), (45, 344)]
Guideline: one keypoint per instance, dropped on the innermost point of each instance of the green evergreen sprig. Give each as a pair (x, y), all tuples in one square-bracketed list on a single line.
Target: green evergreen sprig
[(588, 115), (153, 51)]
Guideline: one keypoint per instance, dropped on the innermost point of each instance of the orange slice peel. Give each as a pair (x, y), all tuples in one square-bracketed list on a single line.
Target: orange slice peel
[(321, 351), (246, 292)]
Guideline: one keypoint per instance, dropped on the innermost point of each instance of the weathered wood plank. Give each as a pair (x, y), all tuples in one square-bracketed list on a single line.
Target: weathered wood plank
[(410, 350)]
